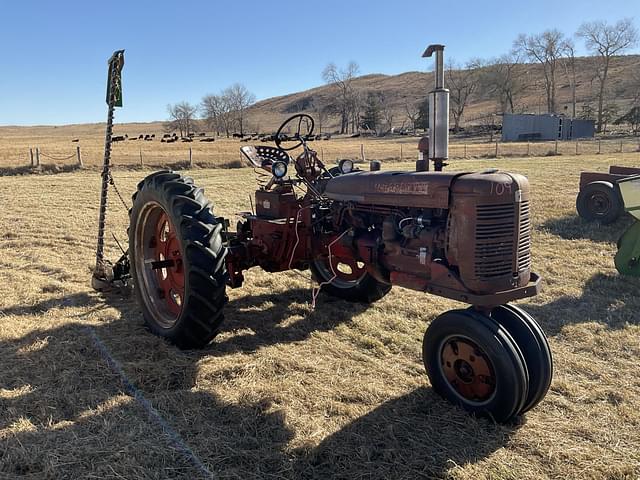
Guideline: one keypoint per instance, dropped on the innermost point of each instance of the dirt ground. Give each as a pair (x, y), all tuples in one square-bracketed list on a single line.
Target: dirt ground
[(290, 392)]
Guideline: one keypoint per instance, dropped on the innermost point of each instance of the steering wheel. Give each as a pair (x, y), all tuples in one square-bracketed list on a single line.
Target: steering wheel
[(301, 119)]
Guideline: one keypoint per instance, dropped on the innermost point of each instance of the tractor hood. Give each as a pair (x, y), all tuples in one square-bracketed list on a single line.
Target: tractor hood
[(416, 189), (422, 189)]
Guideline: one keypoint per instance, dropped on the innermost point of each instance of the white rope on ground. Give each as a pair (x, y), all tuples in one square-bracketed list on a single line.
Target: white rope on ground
[(174, 437)]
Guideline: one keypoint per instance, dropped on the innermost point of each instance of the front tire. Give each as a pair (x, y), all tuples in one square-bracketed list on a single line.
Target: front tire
[(533, 344), (474, 363), (177, 260)]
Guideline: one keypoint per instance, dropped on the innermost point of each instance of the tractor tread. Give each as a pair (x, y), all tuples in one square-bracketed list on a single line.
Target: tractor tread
[(203, 254)]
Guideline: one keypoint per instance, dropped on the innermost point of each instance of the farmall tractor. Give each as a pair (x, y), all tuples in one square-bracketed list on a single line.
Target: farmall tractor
[(460, 235)]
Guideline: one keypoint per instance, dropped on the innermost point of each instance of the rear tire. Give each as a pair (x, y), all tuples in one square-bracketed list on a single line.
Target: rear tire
[(365, 289), (182, 298), (599, 201)]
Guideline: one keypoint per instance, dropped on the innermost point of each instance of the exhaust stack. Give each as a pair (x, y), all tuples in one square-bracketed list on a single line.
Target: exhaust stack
[(438, 111)]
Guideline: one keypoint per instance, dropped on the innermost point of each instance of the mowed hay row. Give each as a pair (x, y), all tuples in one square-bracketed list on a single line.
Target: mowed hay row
[(286, 391)]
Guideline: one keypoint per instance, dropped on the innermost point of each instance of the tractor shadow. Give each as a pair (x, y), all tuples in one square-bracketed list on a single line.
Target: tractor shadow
[(572, 227), (417, 435), (74, 403), (610, 299), (268, 319)]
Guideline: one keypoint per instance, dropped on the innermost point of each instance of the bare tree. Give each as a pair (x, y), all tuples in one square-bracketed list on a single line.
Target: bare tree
[(240, 99), (182, 116), (321, 112), (570, 71), (547, 49), (635, 87), (605, 41), (506, 79), (216, 111), (355, 109), (412, 111), (342, 80), (386, 112), (462, 84)]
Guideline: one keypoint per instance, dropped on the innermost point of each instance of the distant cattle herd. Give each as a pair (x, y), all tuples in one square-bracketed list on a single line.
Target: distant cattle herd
[(173, 137)]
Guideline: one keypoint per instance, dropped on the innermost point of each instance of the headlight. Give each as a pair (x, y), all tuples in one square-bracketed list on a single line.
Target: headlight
[(345, 166), (279, 169)]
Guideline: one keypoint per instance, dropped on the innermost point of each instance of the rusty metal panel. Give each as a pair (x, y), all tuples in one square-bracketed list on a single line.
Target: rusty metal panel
[(273, 204), (489, 231), (416, 189)]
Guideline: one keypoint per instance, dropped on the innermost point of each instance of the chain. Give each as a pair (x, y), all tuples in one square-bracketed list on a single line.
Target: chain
[(115, 188)]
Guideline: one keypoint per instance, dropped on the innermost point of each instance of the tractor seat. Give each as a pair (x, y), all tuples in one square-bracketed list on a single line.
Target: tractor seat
[(261, 156)]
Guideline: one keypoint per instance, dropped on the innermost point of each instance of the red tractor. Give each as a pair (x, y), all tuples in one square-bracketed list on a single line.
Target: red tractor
[(460, 235)]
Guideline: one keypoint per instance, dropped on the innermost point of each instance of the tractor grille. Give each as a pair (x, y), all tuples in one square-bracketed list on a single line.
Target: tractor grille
[(524, 238), (502, 233)]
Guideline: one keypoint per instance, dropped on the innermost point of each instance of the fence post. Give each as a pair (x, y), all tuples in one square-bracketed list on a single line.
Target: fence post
[(141, 162), (31, 156), (362, 152), (401, 157), (556, 147), (79, 156), (528, 149), (599, 146), (496, 149), (621, 147), (190, 158), (577, 151), (322, 154), (37, 156), (465, 150)]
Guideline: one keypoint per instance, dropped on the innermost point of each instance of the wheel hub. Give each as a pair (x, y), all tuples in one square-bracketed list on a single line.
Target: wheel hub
[(600, 204), (467, 369), (168, 264)]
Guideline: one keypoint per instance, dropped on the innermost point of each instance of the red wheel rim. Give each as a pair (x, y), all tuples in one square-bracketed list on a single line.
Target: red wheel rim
[(346, 269), (467, 369), (169, 268), (340, 266)]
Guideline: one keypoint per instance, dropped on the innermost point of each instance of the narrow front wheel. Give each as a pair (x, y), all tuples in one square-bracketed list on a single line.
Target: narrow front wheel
[(474, 363)]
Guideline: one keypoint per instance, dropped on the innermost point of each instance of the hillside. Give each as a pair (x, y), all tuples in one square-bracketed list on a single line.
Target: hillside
[(402, 89), (411, 87)]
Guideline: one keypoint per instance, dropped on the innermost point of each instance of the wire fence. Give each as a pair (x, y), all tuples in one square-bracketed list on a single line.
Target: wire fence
[(227, 155)]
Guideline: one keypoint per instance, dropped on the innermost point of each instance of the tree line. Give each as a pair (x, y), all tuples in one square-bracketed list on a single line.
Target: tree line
[(506, 80), (224, 113)]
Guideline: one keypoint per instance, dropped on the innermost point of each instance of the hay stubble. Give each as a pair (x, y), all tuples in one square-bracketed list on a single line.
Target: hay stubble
[(288, 392)]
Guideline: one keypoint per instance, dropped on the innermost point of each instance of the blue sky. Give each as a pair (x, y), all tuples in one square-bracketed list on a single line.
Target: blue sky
[(53, 64)]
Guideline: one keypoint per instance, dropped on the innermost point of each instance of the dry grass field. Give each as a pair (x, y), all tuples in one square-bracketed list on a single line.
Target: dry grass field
[(289, 392), (57, 148)]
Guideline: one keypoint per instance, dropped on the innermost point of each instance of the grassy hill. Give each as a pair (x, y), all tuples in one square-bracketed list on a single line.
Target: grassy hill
[(411, 87), (402, 89)]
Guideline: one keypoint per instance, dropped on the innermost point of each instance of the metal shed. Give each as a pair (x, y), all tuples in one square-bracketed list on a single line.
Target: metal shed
[(526, 127)]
